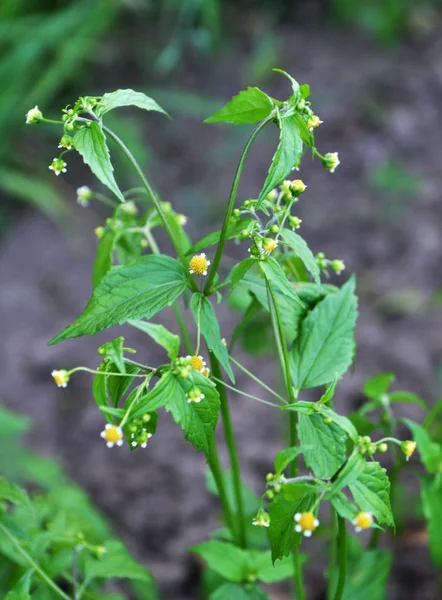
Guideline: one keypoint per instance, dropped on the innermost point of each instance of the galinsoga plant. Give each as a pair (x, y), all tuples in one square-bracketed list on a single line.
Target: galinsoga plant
[(312, 324)]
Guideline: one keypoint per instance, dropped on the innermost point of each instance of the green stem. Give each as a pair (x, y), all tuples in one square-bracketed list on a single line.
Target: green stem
[(216, 469), (237, 391), (156, 202), (284, 361), (333, 553), (43, 576), (231, 448), (259, 381), (183, 328), (231, 204), (342, 550)]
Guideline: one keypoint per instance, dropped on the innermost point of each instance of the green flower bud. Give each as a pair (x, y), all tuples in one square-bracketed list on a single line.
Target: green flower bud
[(34, 116)]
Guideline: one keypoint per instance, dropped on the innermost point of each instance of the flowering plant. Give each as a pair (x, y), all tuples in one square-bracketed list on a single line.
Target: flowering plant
[(312, 324)]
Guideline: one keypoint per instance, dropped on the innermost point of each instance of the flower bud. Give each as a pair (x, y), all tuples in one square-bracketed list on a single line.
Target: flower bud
[(408, 447), (294, 222), (99, 232), (274, 229), (297, 187), (331, 161), (383, 448), (34, 116)]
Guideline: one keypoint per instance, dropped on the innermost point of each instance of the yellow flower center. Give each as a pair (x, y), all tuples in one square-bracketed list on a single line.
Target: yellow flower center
[(409, 448), (313, 121), (307, 521), (269, 245), (363, 520), (113, 434), (205, 372), (199, 264), (197, 362), (58, 377)]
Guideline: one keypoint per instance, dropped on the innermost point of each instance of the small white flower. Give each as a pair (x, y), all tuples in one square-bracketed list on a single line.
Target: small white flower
[(198, 264), (58, 166), (112, 435), (306, 523), (34, 116), (84, 194), (61, 378)]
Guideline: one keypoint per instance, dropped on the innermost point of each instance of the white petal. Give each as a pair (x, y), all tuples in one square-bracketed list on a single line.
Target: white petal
[(108, 426), (298, 528), (297, 516), (358, 529), (120, 443), (202, 255), (307, 533), (316, 523), (102, 434), (144, 445), (208, 262), (134, 444), (191, 271), (110, 444)]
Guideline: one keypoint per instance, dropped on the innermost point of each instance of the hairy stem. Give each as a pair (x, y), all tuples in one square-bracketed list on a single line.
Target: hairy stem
[(231, 204), (231, 447), (43, 576), (342, 552), (156, 202), (216, 469)]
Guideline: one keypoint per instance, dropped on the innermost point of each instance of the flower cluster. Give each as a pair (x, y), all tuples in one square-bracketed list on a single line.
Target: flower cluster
[(138, 432), (336, 265)]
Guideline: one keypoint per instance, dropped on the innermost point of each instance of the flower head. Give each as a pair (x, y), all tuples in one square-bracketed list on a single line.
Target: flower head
[(306, 523), (297, 187), (262, 519), (337, 266), (197, 362), (313, 122), (269, 244), (61, 378), (66, 142), (195, 395), (112, 435), (294, 222), (331, 161), (84, 194), (34, 116), (272, 195), (362, 520), (198, 264), (205, 371), (58, 166), (408, 447), (181, 220), (140, 438), (129, 207)]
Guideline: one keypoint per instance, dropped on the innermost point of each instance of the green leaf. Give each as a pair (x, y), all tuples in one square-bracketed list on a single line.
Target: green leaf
[(248, 106), (431, 494), (371, 492), (137, 290), (329, 392), (99, 389), (115, 562), (295, 84), (285, 457), (343, 506), (204, 314), (227, 560), (276, 276), (159, 396), (310, 408), (117, 386), (304, 90), (103, 258), (281, 532), (299, 246), (162, 336), (114, 351), (91, 144), (430, 452), (325, 344), (287, 155), (349, 473), (233, 591), (377, 386), (233, 230), (197, 420), (264, 570), (400, 396), (13, 493), (367, 578), (324, 443), (238, 272), (119, 98)]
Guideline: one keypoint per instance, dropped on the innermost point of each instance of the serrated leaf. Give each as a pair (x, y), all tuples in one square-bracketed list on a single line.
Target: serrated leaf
[(128, 97), (159, 396), (295, 84), (204, 314), (103, 257), (430, 452), (431, 494), (233, 230), (349, 473), (367, 577), (116, 562), (160, 335), (286, 157), (285, 457), (371, 492), (249, 106), (300, 247), (114, 351), (239, 271), (281, 532), (137, 290), (197, 420), (274, 273), (310, 408), (325, 344), (324, 443), (90, 142), (343, 506)]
